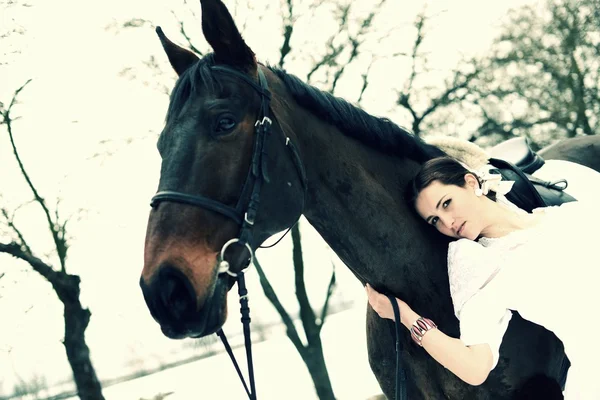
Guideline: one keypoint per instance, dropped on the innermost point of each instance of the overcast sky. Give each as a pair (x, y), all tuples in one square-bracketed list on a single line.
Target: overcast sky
[(80, 104)]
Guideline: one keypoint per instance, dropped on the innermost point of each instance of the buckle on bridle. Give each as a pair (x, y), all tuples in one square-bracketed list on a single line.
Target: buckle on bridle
[(265, 120), (248, 221), (224, 266)]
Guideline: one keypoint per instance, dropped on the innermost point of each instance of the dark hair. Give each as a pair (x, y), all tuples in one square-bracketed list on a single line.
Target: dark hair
[(446, 170)]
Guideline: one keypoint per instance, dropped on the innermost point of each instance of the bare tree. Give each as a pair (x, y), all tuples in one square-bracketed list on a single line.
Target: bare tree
[(65, 285), (150, 71), (542, 76), (311, 351), (343, 47), (454, 92)]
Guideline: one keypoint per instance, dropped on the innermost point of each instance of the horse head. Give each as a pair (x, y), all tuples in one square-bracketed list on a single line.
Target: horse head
[(229, 179)]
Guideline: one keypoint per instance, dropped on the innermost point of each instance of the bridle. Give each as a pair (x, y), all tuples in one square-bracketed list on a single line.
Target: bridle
[(244, 213)]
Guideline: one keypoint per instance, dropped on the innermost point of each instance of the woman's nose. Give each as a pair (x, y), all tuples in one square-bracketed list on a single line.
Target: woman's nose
[(447, 221)]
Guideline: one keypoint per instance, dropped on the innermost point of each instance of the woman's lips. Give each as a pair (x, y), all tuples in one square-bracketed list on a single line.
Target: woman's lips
[(461, 228)]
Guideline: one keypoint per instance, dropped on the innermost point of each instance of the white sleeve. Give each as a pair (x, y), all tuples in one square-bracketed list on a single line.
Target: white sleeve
[(483, 317), (484, 321)]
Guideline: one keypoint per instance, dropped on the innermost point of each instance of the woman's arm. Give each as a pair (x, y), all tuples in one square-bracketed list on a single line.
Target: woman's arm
[(472, 364)]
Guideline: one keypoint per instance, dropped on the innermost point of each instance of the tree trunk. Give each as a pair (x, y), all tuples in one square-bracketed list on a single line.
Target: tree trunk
[(315, 361), (78, 353)]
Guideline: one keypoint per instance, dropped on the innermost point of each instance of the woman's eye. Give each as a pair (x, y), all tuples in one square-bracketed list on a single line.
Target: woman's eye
[(225, 124), (434, 220), (446, 203)]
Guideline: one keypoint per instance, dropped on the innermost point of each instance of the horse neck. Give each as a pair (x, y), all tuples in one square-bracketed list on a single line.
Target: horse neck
[(355, 202)]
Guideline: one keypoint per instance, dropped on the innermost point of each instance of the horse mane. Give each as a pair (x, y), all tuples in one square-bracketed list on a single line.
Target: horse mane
[(376, 132)]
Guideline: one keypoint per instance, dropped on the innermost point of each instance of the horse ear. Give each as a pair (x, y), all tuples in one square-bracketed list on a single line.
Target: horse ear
[(224, 38), (180, 58)]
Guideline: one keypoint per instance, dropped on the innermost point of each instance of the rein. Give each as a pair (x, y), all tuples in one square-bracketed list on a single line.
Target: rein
[(400, 372), (243, 214)]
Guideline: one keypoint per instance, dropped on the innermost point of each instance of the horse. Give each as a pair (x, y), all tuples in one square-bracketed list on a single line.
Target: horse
[(323, 158), (581, 150)]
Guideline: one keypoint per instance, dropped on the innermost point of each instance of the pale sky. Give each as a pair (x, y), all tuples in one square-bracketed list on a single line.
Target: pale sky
[(79, 105)]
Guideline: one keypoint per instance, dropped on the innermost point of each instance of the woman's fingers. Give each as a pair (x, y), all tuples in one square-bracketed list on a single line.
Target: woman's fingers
[(380, 303), (382, 306)]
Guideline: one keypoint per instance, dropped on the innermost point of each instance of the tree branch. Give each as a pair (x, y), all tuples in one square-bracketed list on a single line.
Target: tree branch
[(17, 251), (355, 43), (306, 312), (288, 30), (365, 81), (11, 224), (404, 98), (445, 98), (291, 331), (329, 59), (490, 125), (404, 101), (186, 36), (579, 90), (419, 24), (61, 247), (330, 289)]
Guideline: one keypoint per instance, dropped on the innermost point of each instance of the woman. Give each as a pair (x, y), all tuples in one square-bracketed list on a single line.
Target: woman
[(542, 265)]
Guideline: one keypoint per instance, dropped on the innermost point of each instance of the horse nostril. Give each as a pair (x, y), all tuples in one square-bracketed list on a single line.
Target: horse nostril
[(170, 297), (176, 294)]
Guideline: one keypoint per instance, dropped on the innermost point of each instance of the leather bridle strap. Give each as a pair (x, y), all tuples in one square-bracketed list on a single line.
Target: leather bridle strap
[(400, 372), (198, 201), (245, 311), (243, 214)]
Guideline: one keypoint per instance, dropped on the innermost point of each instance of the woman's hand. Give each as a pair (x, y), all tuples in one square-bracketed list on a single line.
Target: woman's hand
[(472, 364), (382, 306)]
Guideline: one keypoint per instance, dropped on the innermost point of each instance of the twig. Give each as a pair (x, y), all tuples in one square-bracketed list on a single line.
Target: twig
[(11, 224), (187, 37)]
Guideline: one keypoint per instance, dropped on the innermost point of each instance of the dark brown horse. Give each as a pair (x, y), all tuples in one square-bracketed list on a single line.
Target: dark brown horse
[(582, 150), (346, 176)]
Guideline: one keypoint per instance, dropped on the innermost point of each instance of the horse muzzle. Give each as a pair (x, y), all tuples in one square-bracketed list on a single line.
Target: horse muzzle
[(172, 301)]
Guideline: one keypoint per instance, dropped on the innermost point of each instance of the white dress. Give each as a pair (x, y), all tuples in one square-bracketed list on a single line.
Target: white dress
[(550, 274)]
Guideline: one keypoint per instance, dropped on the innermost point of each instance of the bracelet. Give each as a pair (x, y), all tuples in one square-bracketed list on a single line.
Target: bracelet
[(420, 327)]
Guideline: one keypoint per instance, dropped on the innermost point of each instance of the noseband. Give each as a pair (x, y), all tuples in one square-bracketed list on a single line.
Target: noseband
[(243, 214)]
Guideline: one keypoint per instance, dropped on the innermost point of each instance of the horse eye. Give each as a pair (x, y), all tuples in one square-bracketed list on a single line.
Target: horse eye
[(225, 124)]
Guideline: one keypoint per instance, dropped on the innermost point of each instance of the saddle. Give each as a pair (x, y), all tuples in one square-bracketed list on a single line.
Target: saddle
[(515, 161)]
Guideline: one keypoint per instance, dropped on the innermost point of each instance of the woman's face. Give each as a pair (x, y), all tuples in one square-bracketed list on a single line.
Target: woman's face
[(455, 211)]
